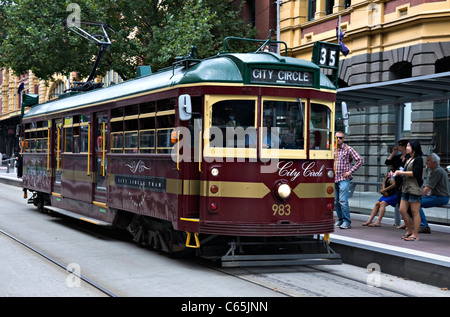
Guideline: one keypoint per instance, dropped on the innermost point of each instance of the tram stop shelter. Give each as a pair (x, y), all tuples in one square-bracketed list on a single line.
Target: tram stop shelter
[(396, 92)]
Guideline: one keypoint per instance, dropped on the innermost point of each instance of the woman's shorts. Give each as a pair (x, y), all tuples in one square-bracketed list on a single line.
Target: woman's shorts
[(390, 200), (411, 197)]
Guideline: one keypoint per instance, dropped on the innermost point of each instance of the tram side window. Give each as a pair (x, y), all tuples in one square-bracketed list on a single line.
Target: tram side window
[(36, 137), (131, 134), (233, 124), (117, 130), (320, 127), (147, 127), (76, 134), (147, 134), (84, 133), (68, 134), (165, 125), (283, 125)]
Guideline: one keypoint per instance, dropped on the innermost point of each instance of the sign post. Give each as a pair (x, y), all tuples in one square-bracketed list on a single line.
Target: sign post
[(326, 55)]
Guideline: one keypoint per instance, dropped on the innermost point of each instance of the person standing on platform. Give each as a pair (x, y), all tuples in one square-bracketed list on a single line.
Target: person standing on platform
[(411, 189), (396, 159), (344, 169), (436, 192)]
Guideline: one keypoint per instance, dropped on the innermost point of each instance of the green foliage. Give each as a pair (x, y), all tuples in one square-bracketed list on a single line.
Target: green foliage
[(150, 32)]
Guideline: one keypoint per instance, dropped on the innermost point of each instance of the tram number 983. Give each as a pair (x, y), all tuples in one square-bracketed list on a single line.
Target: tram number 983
[(281, 209)]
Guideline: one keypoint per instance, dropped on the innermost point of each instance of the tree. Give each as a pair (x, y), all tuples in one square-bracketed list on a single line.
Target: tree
[(151, 32)]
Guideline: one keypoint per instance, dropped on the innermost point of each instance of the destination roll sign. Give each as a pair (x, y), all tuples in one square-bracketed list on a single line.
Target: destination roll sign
[(281, 76)]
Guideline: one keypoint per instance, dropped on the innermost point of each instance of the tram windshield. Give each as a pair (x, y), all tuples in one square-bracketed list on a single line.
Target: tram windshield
[(237, 127), (283, 125)]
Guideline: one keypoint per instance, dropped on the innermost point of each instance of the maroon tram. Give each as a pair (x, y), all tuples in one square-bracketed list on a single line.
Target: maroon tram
[(236, 150)]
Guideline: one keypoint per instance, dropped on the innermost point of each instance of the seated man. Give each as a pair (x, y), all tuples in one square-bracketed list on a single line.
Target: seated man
[(436, 192)]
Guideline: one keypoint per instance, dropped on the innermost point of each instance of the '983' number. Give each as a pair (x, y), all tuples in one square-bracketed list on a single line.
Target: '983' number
[(281, 209)]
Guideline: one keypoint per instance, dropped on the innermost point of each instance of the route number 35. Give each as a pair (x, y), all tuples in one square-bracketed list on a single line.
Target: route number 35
[(281, 209), (327, 57), (326, 54)]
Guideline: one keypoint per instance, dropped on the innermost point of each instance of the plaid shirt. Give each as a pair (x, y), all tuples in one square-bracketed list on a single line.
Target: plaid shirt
[(343, 162)]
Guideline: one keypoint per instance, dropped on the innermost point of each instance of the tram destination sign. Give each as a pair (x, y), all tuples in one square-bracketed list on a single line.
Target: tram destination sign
[(281, 76)]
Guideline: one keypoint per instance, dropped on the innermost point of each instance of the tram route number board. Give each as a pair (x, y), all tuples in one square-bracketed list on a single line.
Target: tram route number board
[(326, 54)]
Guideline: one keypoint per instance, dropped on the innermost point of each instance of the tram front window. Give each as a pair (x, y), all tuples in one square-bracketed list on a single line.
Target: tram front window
[(320, 127), (233, 124), (283, 125)]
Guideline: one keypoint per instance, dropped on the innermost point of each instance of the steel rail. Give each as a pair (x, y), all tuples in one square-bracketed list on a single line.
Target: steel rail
[(64, 267)]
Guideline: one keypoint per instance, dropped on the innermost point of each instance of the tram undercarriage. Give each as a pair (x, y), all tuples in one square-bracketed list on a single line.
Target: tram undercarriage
[(231, 251)]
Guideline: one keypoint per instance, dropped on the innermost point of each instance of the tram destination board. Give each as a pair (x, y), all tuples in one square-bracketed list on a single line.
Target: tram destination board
[(281, 76)]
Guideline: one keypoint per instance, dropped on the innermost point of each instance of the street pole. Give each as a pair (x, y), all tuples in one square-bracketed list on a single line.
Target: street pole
[(279, 4)]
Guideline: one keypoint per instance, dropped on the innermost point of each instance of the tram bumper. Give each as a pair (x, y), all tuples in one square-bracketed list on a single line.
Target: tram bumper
[(317, 251)]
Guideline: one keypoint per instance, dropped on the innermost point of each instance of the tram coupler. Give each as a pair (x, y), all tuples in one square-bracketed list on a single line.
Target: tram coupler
[(188, 240)]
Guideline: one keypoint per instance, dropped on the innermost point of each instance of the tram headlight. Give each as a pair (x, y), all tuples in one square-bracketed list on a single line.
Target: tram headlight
[(214, 171), (284, 191), (330, 174)]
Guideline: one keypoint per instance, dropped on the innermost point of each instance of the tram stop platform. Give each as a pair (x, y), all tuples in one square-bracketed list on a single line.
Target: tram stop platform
[(426, 260)]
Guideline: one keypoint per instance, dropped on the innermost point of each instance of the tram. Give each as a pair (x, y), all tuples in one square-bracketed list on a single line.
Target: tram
[(231, 153)]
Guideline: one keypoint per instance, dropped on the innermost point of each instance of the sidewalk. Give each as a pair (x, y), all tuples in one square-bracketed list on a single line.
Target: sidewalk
[(426, 260), (9, 178)]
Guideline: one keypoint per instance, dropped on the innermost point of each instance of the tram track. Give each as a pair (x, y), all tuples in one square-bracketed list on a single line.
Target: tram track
[(362, 282), (60, 265), (279, 280)]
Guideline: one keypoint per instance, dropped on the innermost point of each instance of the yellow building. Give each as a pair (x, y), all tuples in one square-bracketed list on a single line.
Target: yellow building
[(11, 99), (395, 79)]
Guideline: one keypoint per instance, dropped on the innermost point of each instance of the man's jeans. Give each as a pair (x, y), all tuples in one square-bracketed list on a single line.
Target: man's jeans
[(341, 192), (430, 201)]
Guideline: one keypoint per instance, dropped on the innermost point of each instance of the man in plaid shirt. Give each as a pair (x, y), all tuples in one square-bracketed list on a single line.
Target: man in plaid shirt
[(344, 156)]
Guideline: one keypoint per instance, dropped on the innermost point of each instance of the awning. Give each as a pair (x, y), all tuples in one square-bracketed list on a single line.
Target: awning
[(420, 88)]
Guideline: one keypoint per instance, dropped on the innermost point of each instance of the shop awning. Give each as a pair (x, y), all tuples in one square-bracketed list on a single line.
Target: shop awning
[(420, 88)]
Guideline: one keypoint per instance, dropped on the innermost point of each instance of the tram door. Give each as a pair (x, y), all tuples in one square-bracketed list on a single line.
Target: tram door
[(191, 168), (100, 157), (57, 157)]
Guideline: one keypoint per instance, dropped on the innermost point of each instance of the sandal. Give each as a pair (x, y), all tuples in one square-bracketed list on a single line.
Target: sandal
[(406, 236), (411, 238)]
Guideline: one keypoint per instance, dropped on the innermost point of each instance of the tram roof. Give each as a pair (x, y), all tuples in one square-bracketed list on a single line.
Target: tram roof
[(223, 68), (419, 88)]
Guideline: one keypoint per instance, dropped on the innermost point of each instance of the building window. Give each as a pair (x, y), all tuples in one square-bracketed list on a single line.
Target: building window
[(311, 9), (58, 90), (330, 5)]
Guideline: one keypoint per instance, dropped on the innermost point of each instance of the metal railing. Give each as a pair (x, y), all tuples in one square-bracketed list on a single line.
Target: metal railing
[(11, 162)]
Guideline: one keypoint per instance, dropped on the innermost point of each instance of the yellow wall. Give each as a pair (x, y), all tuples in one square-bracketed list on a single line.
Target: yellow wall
[(367, 25)]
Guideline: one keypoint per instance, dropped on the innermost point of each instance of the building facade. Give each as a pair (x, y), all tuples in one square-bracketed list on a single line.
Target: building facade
[(390, 41), (11, 99)]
